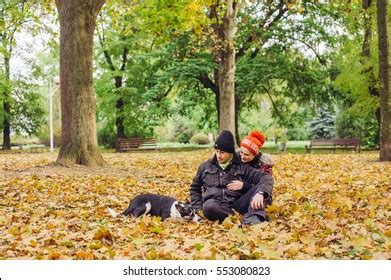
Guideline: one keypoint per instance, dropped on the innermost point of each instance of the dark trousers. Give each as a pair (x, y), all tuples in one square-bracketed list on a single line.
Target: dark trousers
[(216, 210)]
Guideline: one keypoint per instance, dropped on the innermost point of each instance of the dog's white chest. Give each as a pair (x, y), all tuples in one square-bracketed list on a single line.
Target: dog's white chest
[(174, 213)]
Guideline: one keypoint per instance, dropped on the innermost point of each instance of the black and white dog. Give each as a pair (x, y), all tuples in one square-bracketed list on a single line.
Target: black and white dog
[(158, 205)]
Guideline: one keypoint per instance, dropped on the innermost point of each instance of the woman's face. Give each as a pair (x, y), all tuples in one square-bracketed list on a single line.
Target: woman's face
[(246, 155)]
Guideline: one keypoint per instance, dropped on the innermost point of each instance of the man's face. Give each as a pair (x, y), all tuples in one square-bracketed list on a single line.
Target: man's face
[(246, 155), (222, 156)]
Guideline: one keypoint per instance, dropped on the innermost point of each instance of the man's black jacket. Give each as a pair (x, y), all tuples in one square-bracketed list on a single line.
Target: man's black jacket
[(211, 182)]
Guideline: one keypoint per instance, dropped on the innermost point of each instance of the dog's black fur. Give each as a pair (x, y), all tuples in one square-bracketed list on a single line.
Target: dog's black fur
[(161, 206)]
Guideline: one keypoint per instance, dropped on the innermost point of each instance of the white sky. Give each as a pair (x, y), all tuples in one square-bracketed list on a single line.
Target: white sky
[(27, 48)]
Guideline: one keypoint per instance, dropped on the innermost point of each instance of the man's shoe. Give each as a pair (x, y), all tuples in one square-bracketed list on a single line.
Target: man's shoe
[(267, 218), (253, 220)]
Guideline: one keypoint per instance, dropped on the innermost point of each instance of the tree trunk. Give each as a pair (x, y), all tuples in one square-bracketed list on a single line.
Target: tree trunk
[(217, 94), (79, 143), (384, 33), (6, 108), (237, 111), (118, 81), (119, 121), (226, 70), (378, 118), (366, 58)]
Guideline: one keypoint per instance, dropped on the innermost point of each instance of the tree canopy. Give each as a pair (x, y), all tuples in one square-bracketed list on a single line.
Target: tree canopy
[(156, 61)]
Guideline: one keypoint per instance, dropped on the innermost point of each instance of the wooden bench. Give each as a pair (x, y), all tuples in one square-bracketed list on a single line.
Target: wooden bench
[(334, 144), (131, 144)]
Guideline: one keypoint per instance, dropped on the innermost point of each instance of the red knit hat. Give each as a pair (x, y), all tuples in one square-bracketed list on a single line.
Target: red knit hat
[(253, 142)]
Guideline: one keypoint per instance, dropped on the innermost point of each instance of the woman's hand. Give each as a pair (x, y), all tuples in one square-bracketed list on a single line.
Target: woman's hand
[(235, 185)]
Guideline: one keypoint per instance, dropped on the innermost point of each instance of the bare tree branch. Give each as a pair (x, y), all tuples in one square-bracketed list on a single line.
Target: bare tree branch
[(318, 56), (208, 83)]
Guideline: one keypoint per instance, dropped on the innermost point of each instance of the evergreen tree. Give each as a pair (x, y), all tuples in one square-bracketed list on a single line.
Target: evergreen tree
[(322, 127)]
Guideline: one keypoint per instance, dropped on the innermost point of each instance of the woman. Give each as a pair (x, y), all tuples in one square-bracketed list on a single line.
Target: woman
[(250, 154)]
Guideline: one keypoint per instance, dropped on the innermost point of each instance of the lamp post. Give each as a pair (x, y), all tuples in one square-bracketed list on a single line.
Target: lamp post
[(56, 81)]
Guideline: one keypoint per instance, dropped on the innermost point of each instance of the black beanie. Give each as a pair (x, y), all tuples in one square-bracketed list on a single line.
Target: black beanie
[(225, 142)]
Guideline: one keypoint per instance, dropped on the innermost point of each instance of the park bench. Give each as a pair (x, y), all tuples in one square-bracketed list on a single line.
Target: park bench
[(334, 144), (132, 144)]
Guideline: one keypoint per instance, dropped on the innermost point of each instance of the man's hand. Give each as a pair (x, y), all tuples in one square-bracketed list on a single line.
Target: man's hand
[(257, 202), (235, 185)]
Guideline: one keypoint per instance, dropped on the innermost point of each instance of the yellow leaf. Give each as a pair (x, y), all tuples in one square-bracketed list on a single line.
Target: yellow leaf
[(193, 226), (111, 253), (54, 256), (381, 256), (198, 246), (68, 244), (378, 237), (13, 231), (272, 254), (297, 195), (85, 255), (3, 220), (95, 245), (31, 198), (273, 208), (228, 224), (139, 241), (103, 234), (360, 241), (310, 249), (155, 230), (305, 238), (33, 243), (50, 225)]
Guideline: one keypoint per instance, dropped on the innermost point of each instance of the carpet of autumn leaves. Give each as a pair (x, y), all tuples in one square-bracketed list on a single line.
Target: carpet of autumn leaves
[(325, 206)]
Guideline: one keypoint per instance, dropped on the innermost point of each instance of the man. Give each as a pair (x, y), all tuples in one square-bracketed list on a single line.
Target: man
[(224, 183)]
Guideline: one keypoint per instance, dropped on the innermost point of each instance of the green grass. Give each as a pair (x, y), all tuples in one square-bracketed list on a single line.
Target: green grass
[(182, 145), (294, 147), (268, 144), (268, 147), (290, 144)]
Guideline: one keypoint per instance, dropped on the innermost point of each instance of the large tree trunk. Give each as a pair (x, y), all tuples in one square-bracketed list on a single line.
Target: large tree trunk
[(6, 108), (226, 71), (384, 31), (79, 143)]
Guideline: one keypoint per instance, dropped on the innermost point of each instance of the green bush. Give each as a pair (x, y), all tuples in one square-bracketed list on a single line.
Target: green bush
[(297, 134), (184, 137), (363, 127), (200, 139), (107, 137), (44, 136), (183, 130)]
